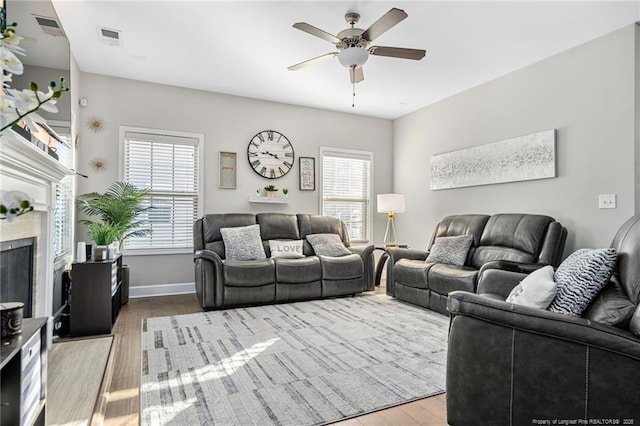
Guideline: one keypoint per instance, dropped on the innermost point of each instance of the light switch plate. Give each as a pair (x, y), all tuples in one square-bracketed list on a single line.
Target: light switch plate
[(607, 201)]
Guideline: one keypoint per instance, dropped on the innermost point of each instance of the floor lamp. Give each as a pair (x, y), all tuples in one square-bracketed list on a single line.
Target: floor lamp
[(391, 204)]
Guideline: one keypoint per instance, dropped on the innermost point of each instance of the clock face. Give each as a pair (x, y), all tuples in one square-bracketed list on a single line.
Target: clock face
[(270, 154)]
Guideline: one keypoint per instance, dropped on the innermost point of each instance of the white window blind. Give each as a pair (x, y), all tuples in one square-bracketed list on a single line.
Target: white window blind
[(169, 166), (62, 217), (346, 189)]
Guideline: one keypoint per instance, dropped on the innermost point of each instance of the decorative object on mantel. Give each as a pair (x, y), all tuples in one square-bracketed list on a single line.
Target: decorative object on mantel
[(307, 174), (271, 190), (21, 106), (522, 158), (285, 192), (391, 204), (14, 204), (96, 125), (98, 165)]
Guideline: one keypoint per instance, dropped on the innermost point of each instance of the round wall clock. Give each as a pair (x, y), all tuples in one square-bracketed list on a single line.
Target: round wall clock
[(270, 154)]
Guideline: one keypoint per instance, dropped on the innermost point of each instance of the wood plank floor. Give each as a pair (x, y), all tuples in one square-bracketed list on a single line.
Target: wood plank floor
[(123, 407)]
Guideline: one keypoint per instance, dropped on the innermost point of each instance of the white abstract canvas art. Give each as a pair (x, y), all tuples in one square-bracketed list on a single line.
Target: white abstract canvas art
[(523, 158)]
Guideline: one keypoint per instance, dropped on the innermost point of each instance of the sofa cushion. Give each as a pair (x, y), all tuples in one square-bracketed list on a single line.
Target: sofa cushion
[(580, 277), (328, 245), (243, 243), (302, 270), (289, 249), (536, 290), (444, 279), (248, 273), (611, 306), (412, 273), (341, 268), (278, 226), (450, 250)]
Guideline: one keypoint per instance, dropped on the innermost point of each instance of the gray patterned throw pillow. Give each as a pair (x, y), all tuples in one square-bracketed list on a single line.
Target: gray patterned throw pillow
[(328, 245), (243, 243), (450, 250), (580, 277)]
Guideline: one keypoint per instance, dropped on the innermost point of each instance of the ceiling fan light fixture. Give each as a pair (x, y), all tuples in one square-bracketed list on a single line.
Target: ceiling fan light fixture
[(353, 57)]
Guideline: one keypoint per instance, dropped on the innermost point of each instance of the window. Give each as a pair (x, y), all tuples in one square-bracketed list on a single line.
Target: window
[(345, 189), (169, 164), (62, 217)]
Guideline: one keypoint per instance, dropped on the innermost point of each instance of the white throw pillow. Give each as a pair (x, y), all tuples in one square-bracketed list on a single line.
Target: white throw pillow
[(288, 249), (536, 290), (328, 245), (243, 243)]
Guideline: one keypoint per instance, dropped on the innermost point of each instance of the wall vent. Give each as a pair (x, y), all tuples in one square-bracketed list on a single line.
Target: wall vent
[(109, 36), (49, 26)]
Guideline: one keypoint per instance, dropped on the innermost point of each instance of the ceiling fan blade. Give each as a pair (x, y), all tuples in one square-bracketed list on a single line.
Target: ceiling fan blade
[(382, 25), (398, 52), (356, 75), (312, 61), (303, 26)]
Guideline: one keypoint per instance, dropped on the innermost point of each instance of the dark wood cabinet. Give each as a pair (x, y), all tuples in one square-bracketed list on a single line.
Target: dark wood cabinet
[(95, 296), (23, 375)]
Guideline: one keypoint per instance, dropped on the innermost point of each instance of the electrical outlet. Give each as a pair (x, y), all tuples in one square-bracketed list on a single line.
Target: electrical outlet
[(607, 201)]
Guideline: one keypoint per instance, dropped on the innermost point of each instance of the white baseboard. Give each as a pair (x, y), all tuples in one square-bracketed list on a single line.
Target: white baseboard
[(161, 290)]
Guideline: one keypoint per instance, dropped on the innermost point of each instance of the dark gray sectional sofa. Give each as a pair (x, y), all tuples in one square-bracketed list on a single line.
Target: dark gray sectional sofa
[(223, 283), (521, 242)]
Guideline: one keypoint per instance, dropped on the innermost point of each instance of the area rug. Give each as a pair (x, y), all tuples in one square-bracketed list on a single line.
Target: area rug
[(306, 363)]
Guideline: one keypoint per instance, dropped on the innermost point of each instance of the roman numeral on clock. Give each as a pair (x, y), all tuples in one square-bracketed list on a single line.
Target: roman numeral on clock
[(259, 136), (255, 163), (263, 171), (287, 145), (273, 173), (281, 171), (287, 164), (270, 135)]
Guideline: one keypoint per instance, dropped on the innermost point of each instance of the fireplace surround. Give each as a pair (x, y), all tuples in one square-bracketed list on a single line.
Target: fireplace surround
[(24, 167)]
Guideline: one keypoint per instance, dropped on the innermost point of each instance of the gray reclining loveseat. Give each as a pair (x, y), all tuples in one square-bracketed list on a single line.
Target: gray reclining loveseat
[(221, 282), (529, 240), (510, 364)]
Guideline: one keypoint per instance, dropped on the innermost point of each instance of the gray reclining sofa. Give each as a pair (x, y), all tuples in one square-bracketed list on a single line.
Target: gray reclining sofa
[(526, 240), (222, 283)]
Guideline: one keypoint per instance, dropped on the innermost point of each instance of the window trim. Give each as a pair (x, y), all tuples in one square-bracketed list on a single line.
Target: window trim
[(356, 153), (200, 149)]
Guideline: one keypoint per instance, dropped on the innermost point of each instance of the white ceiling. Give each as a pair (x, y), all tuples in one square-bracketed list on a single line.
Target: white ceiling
[(244, 48)]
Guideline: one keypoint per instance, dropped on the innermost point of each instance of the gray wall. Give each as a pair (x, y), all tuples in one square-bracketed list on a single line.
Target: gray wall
[(587, 93), (228, 123)]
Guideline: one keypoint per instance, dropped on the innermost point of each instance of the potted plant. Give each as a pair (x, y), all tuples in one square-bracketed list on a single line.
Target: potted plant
[(271, 190), (103, 234), (285, 192), (121, 205)]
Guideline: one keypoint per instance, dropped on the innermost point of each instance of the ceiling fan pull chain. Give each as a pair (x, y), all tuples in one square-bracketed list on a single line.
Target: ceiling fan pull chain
[(353, 96)]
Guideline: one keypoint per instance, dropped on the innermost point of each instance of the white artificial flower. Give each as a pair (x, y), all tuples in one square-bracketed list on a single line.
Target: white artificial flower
[(31, 121), (26, 100), (12, 200), (9, 61), (11, 42)]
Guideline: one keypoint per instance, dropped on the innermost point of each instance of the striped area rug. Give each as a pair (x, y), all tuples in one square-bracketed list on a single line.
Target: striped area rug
[(305, 363)]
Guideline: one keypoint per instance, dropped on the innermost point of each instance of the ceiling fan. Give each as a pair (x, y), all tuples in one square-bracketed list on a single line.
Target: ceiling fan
[(353, 43)]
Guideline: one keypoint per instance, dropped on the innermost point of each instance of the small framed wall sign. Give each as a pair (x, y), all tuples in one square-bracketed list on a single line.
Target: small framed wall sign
[(307, 174), (228, 170)]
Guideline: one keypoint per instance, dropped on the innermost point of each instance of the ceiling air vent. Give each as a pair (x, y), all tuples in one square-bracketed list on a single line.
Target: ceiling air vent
[(49, 26), (110, 37)]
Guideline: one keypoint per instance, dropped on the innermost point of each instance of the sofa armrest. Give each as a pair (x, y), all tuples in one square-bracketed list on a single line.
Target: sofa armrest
[(368, 260), (208, 278), (543, 322), (395, 254), (518, 364), (499, 277)]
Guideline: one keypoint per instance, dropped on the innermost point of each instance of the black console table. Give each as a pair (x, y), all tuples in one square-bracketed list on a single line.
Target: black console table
[(95, 296), (23, 375)]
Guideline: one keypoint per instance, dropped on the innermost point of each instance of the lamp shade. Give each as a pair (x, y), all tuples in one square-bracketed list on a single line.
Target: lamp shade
[(353, 56), (391, 203)]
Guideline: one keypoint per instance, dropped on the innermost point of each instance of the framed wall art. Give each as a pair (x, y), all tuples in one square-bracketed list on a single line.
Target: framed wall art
[(307, 174), (521, 158), (228, 170)]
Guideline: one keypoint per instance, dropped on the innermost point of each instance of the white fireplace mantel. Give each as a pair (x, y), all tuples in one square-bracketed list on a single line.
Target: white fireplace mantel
[(25, 167)]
